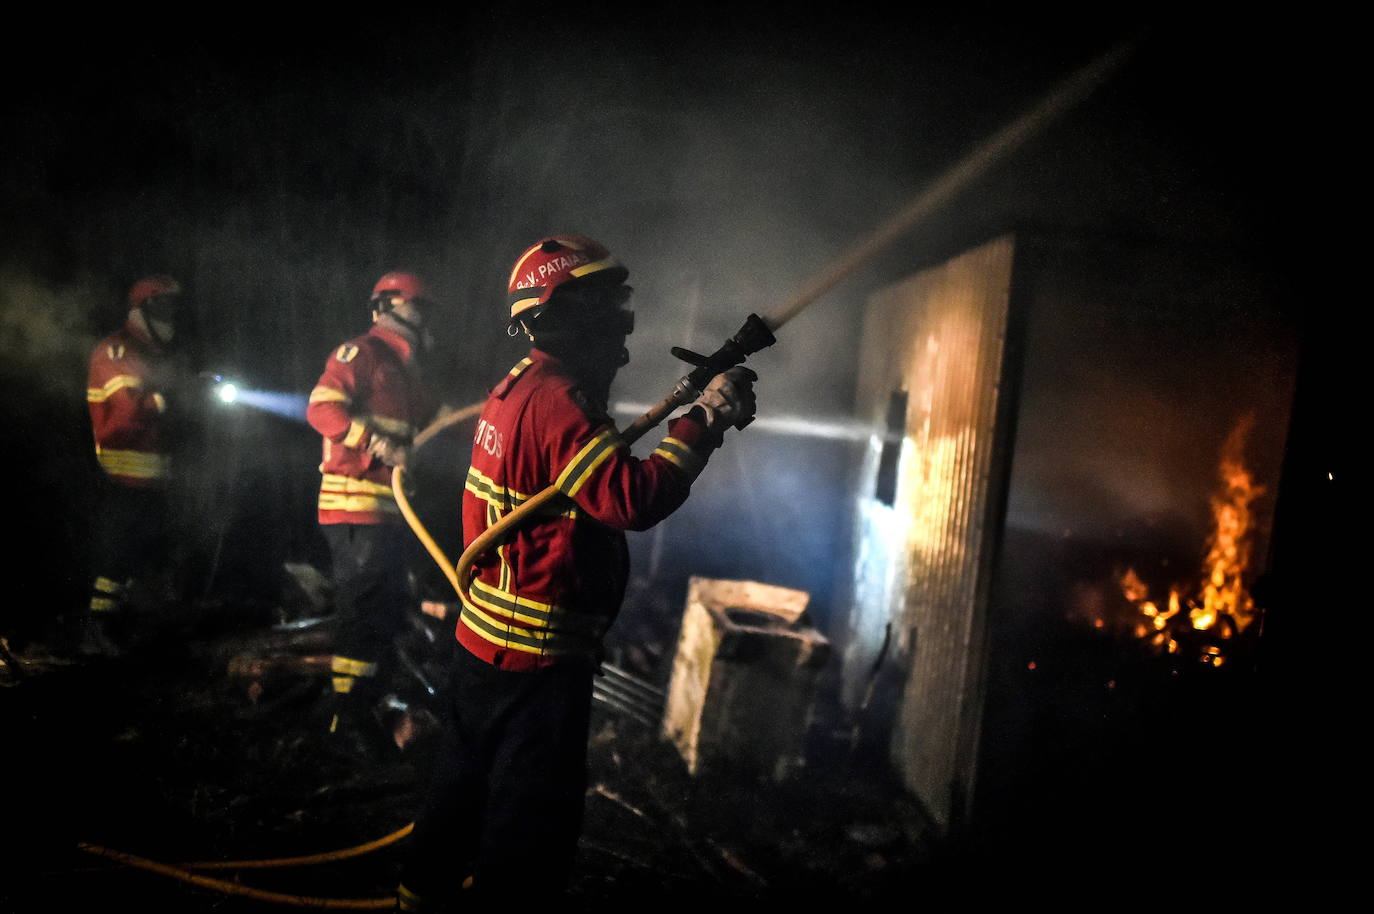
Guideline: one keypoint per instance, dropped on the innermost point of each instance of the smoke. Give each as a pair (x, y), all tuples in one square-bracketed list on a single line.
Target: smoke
[(44, 331)]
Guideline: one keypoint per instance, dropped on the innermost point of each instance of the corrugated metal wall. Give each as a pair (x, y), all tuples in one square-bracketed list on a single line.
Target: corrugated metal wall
[(939, 337)]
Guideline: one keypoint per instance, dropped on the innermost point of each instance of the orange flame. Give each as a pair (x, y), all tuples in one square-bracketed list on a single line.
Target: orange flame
[(1223, 592), (1228, 556)]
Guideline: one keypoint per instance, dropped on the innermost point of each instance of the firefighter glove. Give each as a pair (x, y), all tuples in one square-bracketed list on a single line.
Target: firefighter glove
[(390, 451), (728, 399)]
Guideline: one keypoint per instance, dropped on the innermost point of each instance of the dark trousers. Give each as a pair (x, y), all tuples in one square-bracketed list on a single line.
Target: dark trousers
[(131, 540), (505, 795), (370, 594)]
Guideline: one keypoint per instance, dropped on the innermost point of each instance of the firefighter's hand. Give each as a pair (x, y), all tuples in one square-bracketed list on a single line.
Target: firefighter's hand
[(729, 399), (390, 451)]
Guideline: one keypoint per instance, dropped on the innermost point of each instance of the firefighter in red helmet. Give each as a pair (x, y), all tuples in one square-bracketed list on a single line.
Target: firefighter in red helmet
[(367, 405), (504, 804), (131, 389)]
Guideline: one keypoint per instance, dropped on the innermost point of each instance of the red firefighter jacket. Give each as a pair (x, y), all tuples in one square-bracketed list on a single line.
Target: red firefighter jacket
[(552, 589), (125, 393), (369, 386)]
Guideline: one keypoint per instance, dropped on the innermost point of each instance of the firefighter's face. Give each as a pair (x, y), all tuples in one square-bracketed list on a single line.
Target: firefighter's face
[(618, 322), (619, 331), (604, 354), (598, 317)]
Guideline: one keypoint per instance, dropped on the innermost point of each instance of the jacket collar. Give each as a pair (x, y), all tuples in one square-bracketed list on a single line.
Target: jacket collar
[(399, 342)]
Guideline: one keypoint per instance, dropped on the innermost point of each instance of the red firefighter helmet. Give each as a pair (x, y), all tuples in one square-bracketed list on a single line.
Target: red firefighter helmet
[(396, 287), (553, 261), (152, 287)]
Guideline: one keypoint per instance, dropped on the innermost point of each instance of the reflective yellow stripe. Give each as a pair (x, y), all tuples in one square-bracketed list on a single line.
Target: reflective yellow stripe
[(324, 394), (104, 604), (594, 266), (524, 610), (352, 667), (499, 634), (491, 492), (584, 464), (112, 386), (360, 496), (356, 430), (342, 684), (503, 498), (358, 504), (507, 636), (340, 484), (523, 639), (108, 585), (503, 634), (680, 455), (138, 464), (549, 620)]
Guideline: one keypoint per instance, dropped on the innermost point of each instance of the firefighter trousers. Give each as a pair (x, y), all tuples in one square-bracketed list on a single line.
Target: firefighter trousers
[(131, 541), (370, 601), (505, 796)]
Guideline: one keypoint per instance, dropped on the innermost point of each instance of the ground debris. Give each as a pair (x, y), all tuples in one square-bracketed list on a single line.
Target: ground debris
[(192, 765)]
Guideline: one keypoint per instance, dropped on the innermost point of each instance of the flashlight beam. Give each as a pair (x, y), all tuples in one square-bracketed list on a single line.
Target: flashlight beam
[(286, 405)]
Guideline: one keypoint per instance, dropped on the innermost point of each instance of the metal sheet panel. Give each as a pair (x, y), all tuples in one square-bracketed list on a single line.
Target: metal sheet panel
[(937, 336)]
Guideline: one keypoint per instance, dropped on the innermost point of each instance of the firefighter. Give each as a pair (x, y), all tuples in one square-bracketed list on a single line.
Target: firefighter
[(504, 804), (131, 393), (368, 405)]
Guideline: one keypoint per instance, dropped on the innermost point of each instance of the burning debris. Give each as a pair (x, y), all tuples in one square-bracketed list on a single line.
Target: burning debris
[(1222, 609)]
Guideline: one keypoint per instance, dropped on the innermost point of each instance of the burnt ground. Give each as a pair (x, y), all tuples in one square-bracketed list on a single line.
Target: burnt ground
[(181, 752)]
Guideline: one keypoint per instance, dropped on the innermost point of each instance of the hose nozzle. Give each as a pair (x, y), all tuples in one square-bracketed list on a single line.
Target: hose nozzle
[(750, 338)]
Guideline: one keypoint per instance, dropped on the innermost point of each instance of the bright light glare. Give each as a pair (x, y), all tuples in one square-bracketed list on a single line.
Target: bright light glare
[(227, 392)]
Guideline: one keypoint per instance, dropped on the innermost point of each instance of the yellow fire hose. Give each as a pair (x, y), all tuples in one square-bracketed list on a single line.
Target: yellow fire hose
[(993, 150), (184, 873), (309, 860)]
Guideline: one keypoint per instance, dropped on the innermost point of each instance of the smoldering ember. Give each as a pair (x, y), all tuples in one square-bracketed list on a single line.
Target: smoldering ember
[(1004, 594)]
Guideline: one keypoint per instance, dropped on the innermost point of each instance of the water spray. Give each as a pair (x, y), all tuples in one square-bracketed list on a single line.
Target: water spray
[(759, 332)]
